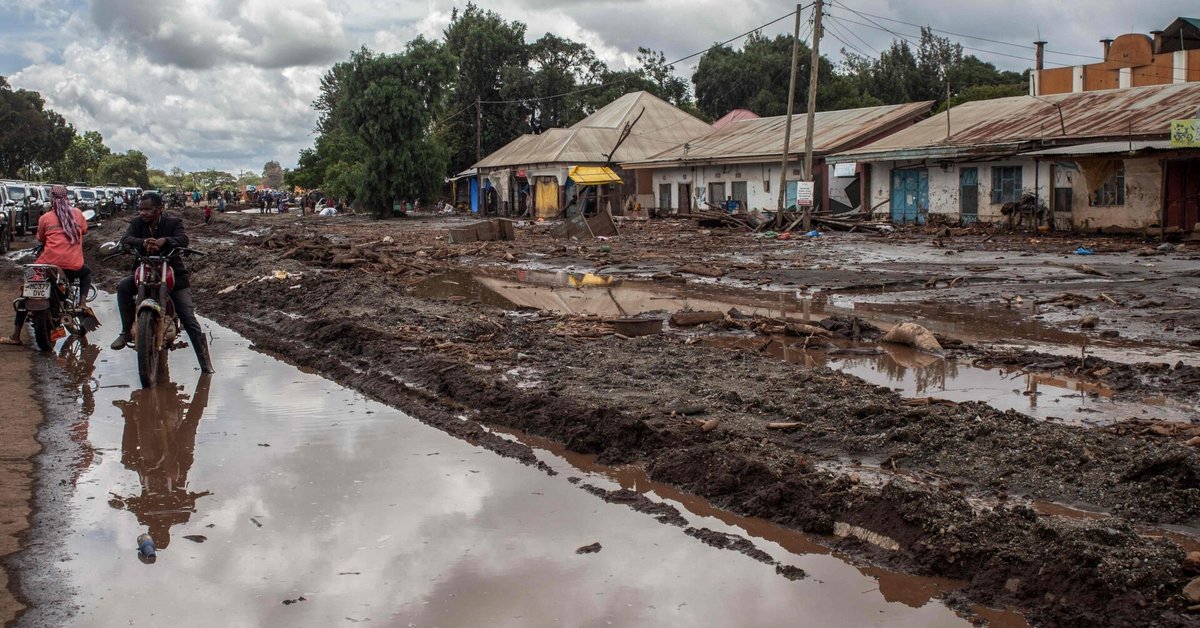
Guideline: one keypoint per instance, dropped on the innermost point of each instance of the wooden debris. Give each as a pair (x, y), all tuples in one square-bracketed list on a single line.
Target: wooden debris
[(783, 425), (692, 319)]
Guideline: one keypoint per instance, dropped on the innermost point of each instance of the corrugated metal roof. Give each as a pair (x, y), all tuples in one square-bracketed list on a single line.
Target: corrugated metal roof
[(737, 115), (1011, 124), (1103, 148), (762, 138), (587, 141)]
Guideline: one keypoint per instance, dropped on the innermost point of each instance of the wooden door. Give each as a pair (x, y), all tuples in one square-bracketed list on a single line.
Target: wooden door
[(685, 198), (1182, 194)]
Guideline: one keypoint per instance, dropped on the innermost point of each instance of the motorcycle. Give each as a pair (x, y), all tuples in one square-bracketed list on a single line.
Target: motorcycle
[(53, 305), (156, 325)]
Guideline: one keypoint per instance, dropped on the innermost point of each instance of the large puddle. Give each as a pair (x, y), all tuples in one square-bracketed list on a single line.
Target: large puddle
[(911, 373), (279, 498)]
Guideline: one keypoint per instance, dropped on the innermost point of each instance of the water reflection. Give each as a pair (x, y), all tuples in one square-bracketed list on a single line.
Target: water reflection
[(78, 359), (159, 444), (916, 374)]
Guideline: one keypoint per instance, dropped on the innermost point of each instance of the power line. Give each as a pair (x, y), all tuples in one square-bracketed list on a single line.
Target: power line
[(911, 40), (755, 30), (622, 80), (834, 31), (1188, 72), (975, 37), (852, 33)]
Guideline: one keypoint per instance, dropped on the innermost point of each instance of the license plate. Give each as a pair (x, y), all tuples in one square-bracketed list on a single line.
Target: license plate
[(37, 290)]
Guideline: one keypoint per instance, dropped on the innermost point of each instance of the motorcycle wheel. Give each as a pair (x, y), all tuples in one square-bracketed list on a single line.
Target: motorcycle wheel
[(147, 353), (42, 327)]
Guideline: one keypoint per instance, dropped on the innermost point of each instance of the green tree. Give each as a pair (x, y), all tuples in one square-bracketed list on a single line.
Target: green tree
[(81, 159), (389, 105), (31, 136), (128, 168), (484, 44), (757, 77), (272, 175)]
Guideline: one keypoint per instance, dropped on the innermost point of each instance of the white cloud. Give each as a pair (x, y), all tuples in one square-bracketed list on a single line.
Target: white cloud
[(234, 116), (229, 83), (198, 34)]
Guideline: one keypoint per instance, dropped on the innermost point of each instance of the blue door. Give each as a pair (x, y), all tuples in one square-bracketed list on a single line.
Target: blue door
[(474, 195), (910, 195)]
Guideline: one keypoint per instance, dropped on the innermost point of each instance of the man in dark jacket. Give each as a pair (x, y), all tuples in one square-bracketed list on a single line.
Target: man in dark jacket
[(152, 232)]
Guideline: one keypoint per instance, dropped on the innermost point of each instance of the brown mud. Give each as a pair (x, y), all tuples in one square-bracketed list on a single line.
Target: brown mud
[(19, 422), (956, 479)]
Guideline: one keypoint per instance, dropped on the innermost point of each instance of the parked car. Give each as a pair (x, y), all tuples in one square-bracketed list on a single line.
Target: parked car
[(17, 201), (85, 197)]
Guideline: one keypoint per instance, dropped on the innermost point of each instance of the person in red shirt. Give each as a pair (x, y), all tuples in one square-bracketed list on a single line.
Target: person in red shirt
[(61, 234)]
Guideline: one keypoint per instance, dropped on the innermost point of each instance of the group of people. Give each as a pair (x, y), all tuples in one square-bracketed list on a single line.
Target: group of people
[(60, 233)]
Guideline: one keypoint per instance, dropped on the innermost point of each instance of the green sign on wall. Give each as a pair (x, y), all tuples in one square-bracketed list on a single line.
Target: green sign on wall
[(1185, 133)]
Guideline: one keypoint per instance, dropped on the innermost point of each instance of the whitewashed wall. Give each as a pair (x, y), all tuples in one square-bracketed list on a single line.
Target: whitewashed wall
[(1143, 199), (944, 190), (762, 181)]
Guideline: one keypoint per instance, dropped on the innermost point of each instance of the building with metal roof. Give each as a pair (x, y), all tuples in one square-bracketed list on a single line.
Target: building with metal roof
[(535, 168), (968, 163), (741, 161)]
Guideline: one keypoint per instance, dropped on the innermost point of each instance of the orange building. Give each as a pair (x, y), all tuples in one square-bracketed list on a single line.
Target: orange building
[(1168, 56)]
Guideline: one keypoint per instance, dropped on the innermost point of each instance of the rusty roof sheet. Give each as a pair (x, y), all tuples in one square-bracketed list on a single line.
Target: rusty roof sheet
[(660, 126), (1010, 124), (762, 138), (737, 115)]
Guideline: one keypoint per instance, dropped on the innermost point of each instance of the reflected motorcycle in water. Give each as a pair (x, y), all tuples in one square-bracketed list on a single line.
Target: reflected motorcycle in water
[(159, 444), (156, 325)]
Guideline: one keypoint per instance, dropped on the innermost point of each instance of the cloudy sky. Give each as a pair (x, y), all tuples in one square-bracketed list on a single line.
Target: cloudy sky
[(228, 84)]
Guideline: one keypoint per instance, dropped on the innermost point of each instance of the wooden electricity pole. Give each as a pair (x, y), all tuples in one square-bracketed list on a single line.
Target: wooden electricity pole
[(787, 127), (818, 5)]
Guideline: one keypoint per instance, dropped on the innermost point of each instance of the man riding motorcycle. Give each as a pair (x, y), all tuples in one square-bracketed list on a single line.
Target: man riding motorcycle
[(154, 233)]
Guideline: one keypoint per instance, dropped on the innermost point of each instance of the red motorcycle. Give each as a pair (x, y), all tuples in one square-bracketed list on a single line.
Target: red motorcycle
[(156, 325)]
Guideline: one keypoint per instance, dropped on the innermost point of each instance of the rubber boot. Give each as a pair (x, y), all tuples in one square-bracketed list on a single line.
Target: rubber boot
[(202, 355)]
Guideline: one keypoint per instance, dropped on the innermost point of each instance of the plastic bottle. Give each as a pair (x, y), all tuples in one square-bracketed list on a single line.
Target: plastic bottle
[(146, 546)]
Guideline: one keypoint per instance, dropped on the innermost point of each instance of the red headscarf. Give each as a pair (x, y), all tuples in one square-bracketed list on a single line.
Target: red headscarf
[(64, 213)]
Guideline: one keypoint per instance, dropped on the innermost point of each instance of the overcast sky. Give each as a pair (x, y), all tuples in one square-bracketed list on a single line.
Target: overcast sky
[(228, 84)]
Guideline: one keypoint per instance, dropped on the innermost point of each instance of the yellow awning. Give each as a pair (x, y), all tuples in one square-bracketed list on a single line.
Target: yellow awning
[(593, 175)]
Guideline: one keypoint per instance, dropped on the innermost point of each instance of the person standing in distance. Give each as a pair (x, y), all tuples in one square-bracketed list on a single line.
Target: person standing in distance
[(153, 232)]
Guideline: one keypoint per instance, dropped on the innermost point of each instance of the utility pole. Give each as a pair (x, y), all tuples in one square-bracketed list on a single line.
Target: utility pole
[(478, 129), (818, 5), (787, 128)]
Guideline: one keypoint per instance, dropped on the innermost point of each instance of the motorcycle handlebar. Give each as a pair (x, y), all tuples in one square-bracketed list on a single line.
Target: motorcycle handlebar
[(175, 252)]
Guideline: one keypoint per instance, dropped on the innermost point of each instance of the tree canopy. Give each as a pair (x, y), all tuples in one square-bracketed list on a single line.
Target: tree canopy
[(31, 136)]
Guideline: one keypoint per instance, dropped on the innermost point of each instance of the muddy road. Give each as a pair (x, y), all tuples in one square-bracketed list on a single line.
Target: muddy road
[(279, 498), (1038, 466)]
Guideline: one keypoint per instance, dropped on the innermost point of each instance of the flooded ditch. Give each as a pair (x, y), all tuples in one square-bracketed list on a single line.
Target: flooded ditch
[(277, 497), (1070, 400)]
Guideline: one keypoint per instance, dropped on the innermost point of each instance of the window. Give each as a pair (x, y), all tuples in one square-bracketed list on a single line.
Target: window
[(1113, 190), (739, 193), (716, 194), (1006, 184)]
